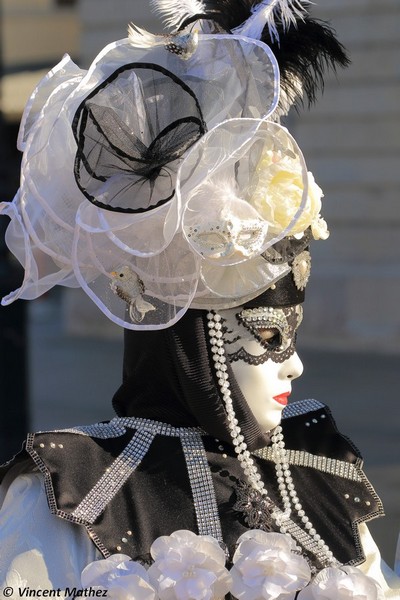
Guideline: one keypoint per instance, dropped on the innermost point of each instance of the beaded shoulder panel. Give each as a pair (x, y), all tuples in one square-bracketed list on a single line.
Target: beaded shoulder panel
[(296, 409), (127, 443)]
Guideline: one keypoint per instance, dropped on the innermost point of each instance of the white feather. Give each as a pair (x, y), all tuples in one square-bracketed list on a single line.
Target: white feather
[(140, 38), (266, 12), (175, 12)]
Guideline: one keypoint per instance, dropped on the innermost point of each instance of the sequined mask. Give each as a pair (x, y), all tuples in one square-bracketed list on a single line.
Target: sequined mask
[(274, 330)]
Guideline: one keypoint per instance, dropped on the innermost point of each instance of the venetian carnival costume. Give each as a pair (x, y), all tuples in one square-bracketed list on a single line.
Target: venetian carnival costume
[(162, 182)]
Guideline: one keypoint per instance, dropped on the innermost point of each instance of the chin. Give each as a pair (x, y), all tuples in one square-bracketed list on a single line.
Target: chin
[(271, 424)]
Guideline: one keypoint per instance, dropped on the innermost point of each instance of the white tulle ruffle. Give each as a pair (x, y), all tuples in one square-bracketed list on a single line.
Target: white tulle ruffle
[(200, 248)]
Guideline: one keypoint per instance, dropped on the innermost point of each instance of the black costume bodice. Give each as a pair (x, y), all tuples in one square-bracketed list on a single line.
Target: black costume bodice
[(131, 480)]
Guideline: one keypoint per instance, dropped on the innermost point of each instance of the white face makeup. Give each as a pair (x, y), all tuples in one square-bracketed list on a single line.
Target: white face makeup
[(259, 344)]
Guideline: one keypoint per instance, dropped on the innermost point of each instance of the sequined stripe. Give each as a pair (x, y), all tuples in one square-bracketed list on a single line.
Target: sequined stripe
[(306, 541), (156, 426), (320, 463), (296, 409), (118, 426), (105, 431), (110, 483), (205, 502)]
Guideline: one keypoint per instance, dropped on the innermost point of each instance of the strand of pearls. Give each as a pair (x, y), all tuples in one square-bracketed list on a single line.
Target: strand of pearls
[(283, 474), (243, 455), (310, 538), (289, 494)]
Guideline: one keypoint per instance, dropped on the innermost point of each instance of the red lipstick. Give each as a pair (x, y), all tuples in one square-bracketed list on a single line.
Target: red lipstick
[(282, 398)]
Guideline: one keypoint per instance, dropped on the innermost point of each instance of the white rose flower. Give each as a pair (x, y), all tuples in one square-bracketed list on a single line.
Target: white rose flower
[(188, 566), (346, 583), (278, 189), (120, 576), (265, 567)]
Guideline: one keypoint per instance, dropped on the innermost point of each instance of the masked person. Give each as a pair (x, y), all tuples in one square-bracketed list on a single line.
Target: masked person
[(162, 183)]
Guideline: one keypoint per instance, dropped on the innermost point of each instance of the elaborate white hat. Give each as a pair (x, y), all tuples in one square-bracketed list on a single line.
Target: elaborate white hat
[(159, 179)]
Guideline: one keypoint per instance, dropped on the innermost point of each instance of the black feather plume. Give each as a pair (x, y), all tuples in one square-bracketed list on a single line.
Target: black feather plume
[(227, 14), (305, 51)]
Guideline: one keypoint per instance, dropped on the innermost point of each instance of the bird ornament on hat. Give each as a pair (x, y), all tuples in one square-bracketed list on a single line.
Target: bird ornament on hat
[(161, 178)]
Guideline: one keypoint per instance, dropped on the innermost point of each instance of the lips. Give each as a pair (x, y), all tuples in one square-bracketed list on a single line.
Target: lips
[(282, 398)]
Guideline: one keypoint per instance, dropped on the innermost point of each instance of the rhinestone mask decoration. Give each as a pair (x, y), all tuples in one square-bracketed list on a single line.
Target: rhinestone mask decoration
[(226, 238), (252, 323)]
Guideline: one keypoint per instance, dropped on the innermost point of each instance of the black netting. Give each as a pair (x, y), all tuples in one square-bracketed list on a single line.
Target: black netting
[(131, 132)]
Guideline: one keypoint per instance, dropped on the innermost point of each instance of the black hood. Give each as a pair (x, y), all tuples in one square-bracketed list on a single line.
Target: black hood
[(169, 376)]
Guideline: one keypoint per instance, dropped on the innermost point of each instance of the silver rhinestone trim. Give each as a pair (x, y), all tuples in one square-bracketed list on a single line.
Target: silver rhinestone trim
[(307, 542), (118, 426), (296, 409), (111, 482), (103, 431), (157, 427), (320, 463), (204, 499)]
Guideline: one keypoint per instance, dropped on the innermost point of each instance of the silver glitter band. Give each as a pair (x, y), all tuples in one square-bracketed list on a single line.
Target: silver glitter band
[(103, 431), (320, 463), (296, 409), (204, 499), (118, 426), (114, 478), (307, 542)]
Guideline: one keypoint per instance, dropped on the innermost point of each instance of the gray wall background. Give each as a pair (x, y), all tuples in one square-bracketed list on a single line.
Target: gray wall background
[(351, 141)]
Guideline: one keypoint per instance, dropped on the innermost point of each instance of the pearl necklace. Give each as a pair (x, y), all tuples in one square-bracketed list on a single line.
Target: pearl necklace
[(306, 536)]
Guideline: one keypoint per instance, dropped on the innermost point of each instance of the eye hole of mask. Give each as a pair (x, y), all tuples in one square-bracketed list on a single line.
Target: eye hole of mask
[(270, 338)]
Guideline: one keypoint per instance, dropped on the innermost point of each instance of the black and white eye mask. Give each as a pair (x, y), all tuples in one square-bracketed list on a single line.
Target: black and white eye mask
[(256, 335)]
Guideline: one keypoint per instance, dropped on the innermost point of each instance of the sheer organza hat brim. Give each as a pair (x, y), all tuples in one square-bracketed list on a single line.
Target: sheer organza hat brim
[(178, 277)]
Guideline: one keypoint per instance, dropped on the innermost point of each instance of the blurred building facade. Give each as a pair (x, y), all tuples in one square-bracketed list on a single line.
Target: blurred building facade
[(34, 36), (351, 141)]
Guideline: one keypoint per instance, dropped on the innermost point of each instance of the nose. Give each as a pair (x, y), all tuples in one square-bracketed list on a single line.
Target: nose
[(292, 367)]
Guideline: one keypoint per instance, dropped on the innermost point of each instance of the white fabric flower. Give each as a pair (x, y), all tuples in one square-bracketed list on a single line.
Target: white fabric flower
[(319, 228), (265, 567), (188, 567), (279, 185), (346, 583), (120, 576)]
